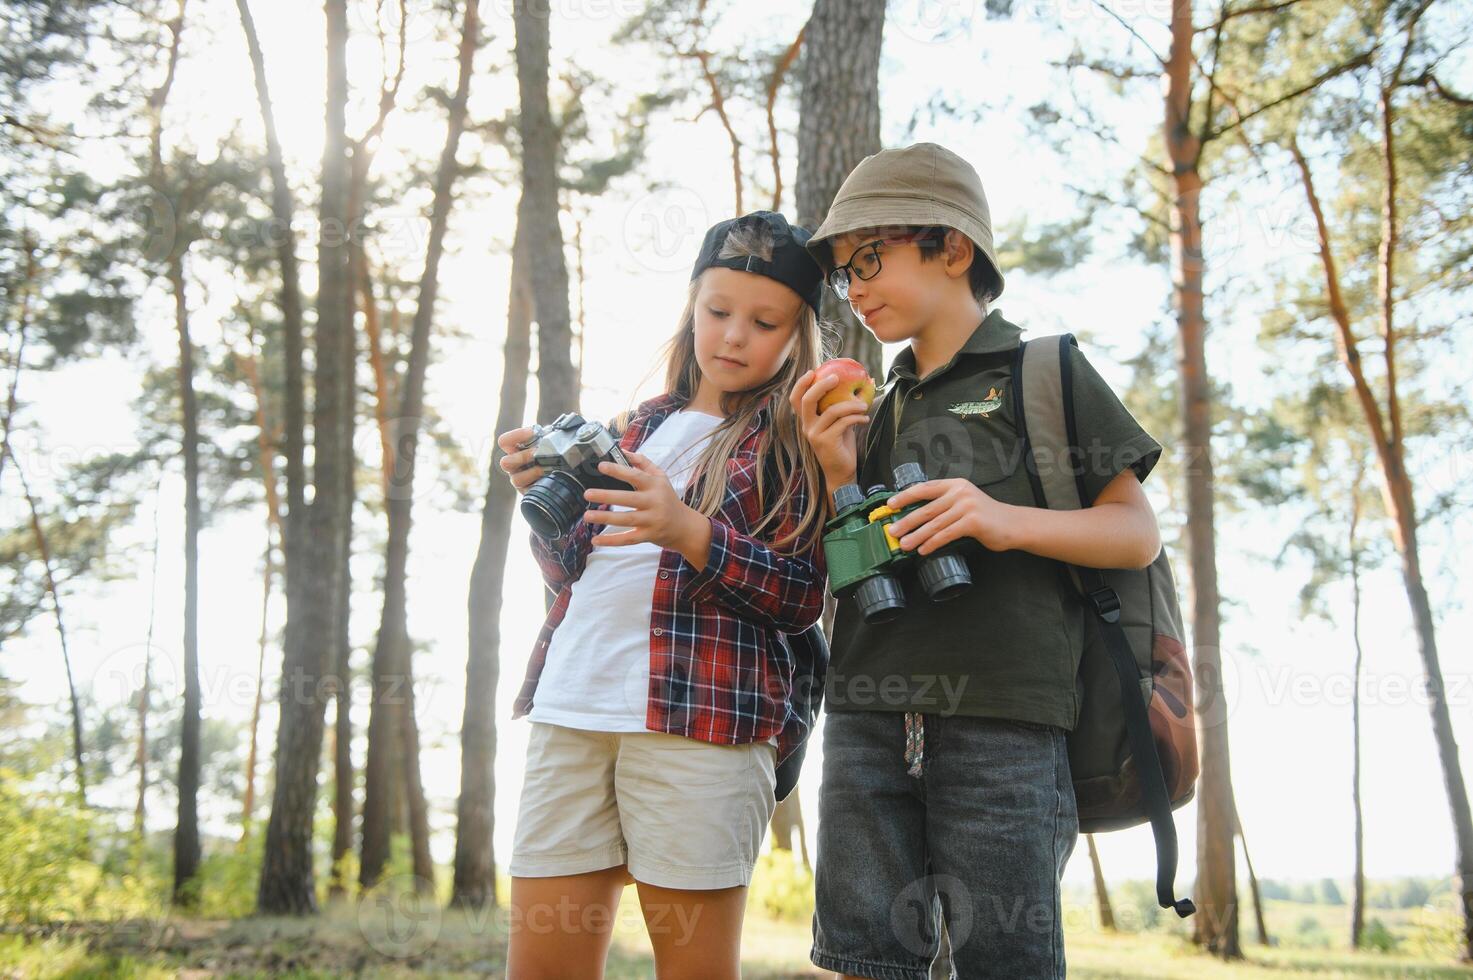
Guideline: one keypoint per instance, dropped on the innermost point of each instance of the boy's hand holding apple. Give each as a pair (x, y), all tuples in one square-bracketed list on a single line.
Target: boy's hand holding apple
[(831, 403)]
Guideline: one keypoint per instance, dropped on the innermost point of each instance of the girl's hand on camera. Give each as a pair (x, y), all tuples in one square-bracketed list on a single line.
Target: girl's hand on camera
[(517, 462), (657, 515)]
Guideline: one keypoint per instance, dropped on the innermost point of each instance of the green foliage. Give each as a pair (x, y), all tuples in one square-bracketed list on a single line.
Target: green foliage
[(1330, 893), (1047, 248), (88, 503), (1376, 936), (1135, 906), (59, 959), (782, 888), (1310, 933), (229, 877), (45, 858)]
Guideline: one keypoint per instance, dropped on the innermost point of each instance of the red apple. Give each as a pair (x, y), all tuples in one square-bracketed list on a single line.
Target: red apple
[(854, 382)]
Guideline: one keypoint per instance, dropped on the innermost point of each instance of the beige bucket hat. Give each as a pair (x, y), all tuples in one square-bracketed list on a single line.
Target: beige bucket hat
[(923, 184)]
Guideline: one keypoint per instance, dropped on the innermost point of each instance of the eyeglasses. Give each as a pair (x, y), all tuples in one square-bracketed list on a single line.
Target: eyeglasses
[(864, 264)]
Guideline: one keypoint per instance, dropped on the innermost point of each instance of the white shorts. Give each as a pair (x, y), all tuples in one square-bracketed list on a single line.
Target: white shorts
[(680, 813)]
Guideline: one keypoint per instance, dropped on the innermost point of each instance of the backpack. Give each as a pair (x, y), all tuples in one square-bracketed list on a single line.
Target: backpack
[(1133, 751), (810, 654)]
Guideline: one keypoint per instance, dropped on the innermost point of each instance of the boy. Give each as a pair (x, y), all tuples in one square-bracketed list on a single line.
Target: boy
[(945, 772)]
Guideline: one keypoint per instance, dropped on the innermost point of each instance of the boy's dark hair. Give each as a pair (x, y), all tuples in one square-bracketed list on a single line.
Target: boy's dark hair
[(985, 281)]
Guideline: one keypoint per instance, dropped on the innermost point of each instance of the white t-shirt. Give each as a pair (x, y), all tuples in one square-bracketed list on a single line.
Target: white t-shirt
[(597, 674)]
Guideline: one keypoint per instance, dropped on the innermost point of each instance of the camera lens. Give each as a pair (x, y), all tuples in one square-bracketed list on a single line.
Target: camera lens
[(945, 577), (553, 505), (880, 599)]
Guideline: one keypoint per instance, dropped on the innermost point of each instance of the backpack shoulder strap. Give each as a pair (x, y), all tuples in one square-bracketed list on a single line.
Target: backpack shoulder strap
[(1043, 390), (1043, 403)]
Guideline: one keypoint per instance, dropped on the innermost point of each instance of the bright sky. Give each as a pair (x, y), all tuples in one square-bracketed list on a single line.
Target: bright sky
[(1288, 679)]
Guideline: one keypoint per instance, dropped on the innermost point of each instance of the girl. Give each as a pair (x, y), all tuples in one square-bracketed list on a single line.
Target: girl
[(661, 687)]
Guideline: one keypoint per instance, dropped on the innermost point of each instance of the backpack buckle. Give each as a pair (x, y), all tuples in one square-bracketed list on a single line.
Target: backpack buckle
[(1106, 603)]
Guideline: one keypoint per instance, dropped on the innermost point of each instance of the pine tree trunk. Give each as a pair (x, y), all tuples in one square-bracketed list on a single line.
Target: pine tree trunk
[(292, 524), (186, 830), (392, 673), (186, 833), (248, 803), (282, 212), (1216, 922), (1398, 490), (342, 688), (1253, 886), (838, 71), (419, 813), (267, 453), (145, 696), (1399, 500), (43, 550), (543, 235), (787, 824), (361, 291), (1358, 899), (838, 126), (380, 769), (287, 883), (1442, 728), (1102, 892), (475, 815)]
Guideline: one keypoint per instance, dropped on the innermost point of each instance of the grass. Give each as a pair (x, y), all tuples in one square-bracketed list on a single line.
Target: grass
[(397, 937)]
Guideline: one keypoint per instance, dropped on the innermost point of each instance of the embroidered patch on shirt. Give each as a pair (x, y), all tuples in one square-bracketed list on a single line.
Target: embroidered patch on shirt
[(982, 409)]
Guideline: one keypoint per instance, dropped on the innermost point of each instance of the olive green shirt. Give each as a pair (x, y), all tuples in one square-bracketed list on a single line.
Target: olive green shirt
[(1008, 647)]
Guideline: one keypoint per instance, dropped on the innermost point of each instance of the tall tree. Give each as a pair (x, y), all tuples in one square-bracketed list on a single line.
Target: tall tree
[(538, 214), (1216, 924), (838, 126), (474, 882), (266, 440), (391, 654), (313, 622), (1102, 891), (1212, 86), (1358, 899), (186, 832), (283, 211), (1397, 145), (1258, 919), (1398, 494), (475, 860), (145, 695), (43, 552), (362, 152)]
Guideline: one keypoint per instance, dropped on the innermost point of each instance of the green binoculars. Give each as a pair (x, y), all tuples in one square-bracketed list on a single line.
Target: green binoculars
[(865, 560)]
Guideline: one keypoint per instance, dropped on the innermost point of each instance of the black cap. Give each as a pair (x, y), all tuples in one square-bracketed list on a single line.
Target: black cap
[(791, 264)]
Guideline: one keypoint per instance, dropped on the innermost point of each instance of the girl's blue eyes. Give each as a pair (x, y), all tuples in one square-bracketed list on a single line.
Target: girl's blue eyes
[(723, 314)]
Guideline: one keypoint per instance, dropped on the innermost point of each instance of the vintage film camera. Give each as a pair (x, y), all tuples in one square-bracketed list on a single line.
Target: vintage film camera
[(569, 450)]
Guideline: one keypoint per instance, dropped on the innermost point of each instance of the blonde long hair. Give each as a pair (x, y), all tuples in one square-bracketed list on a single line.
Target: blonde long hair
[(781, 442)]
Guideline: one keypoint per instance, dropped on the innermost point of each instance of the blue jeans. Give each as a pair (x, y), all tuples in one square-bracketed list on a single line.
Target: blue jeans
[(980, 839)]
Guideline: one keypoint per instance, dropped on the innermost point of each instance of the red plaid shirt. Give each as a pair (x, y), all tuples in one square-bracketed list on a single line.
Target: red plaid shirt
[(719, 671)]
